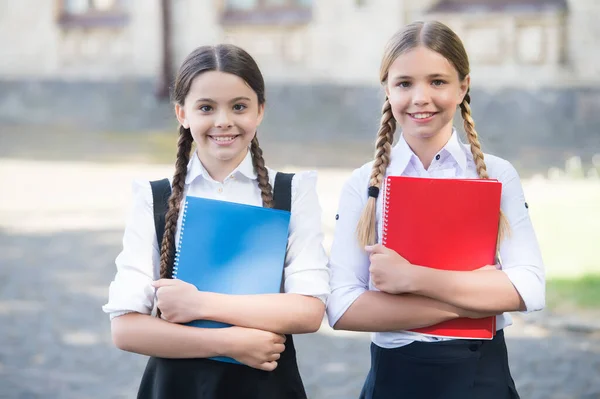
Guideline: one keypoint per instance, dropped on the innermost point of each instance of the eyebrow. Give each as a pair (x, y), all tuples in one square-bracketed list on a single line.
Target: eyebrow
[(210, 100), (432, 76)]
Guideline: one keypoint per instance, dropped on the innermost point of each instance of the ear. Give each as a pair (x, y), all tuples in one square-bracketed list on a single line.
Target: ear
[(387, 90), (261, 114), (180, 113), (464, 86)]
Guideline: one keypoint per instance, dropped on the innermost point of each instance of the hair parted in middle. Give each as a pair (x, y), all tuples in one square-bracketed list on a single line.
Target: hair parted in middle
[(223, 58), (439, 38)]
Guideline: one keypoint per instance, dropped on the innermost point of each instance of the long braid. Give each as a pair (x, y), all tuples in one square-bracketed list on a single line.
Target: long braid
[(167, 249), (263, 174), (366, 227), (469, 124)]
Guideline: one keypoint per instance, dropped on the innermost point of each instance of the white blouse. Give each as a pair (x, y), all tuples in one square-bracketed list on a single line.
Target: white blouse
[(349, 263), (138, 264)]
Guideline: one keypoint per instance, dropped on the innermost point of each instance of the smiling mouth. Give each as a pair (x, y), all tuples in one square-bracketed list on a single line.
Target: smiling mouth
[(224, 139), (422, 115)]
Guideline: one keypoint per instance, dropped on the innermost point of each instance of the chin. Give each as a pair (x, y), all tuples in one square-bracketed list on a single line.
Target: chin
[(424, 132), (227, 154)]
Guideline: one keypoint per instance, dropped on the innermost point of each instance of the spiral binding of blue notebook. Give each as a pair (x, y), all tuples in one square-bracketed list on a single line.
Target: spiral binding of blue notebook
[(231, 248)]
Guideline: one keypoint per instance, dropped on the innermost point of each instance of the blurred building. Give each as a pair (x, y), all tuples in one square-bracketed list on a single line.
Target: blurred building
[(535, 63)]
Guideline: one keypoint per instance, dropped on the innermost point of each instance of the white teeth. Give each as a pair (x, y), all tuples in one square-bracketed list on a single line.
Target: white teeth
[(224, 139), (422, 116)]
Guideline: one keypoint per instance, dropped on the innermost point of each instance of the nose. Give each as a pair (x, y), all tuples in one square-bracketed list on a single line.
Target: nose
[(223, 120), (421, 95)]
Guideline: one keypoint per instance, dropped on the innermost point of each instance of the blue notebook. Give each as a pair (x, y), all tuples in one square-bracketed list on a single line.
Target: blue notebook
[(231, 248)]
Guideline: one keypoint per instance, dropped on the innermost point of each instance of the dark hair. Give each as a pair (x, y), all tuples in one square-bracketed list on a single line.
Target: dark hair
[(437, 37), (225, 58)]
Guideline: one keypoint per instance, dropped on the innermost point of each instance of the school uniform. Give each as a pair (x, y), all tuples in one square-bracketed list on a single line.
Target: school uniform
[(305, 272), (410, 365)]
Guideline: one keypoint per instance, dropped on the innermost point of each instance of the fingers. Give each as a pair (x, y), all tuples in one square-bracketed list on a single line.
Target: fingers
[(376, 284), (375, 264), (267, 366), (373, 257), (279, 339), (278, 348), (269, 362), (375, 249), (166, 316), (163, 282)]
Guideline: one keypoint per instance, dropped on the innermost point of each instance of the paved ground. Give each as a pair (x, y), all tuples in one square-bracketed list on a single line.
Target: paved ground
[(60, 229)]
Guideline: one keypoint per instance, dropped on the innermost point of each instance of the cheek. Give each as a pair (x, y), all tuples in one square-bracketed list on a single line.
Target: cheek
[(198, 121), (447, 100), (198, 136), (399, 104), (248, 122)]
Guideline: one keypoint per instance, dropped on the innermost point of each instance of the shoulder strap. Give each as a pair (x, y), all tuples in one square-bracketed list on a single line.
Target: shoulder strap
[(282, 196), (282, 191), (161, 191)]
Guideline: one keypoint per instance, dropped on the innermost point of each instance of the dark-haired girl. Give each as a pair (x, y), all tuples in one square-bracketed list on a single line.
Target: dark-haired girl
[(219, 102)]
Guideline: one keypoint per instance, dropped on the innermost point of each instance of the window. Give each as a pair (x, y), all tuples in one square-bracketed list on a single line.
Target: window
[(278, 12), (452, 6), (92, 13)]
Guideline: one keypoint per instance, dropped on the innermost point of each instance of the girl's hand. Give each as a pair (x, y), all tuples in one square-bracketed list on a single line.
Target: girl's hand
[(177, 300), (255, 348), (390, 272)]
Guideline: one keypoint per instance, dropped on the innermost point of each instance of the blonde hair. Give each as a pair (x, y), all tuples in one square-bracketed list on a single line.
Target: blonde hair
[(441, 39)]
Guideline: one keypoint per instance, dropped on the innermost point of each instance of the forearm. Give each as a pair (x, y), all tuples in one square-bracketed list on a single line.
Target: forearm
[(480, 291), (376, 311), (278, 313), (151, 336)]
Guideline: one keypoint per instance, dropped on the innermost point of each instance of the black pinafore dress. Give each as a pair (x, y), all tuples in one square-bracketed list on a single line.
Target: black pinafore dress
[(210, 379)]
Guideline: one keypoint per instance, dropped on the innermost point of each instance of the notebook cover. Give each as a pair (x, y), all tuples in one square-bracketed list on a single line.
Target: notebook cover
[(231, 248), (449, 224)]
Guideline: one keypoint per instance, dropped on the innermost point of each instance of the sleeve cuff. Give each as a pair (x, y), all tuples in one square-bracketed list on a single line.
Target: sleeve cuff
[(315, 284), (340, 302), (530, 286)]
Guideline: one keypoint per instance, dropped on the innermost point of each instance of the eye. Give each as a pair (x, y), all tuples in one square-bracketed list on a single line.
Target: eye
[(205, 108), (239, 107), (403, 84), (438, 82)]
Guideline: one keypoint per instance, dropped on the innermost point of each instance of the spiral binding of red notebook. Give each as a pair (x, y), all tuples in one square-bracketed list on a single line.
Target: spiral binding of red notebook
[(449, 224)]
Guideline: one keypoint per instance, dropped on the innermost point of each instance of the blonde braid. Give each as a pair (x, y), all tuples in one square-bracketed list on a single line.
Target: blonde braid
[(262, 173), (469, 124), (365, 229)]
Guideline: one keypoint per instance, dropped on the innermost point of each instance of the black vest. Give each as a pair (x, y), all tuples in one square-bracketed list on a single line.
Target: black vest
[(210, 379)]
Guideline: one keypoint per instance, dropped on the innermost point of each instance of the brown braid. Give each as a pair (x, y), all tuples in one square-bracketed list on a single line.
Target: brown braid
[(365, 229), (262, 172), (167, 249), (469, 124)]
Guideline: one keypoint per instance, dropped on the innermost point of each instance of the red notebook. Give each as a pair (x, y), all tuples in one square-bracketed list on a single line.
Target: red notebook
[(449, 224)]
